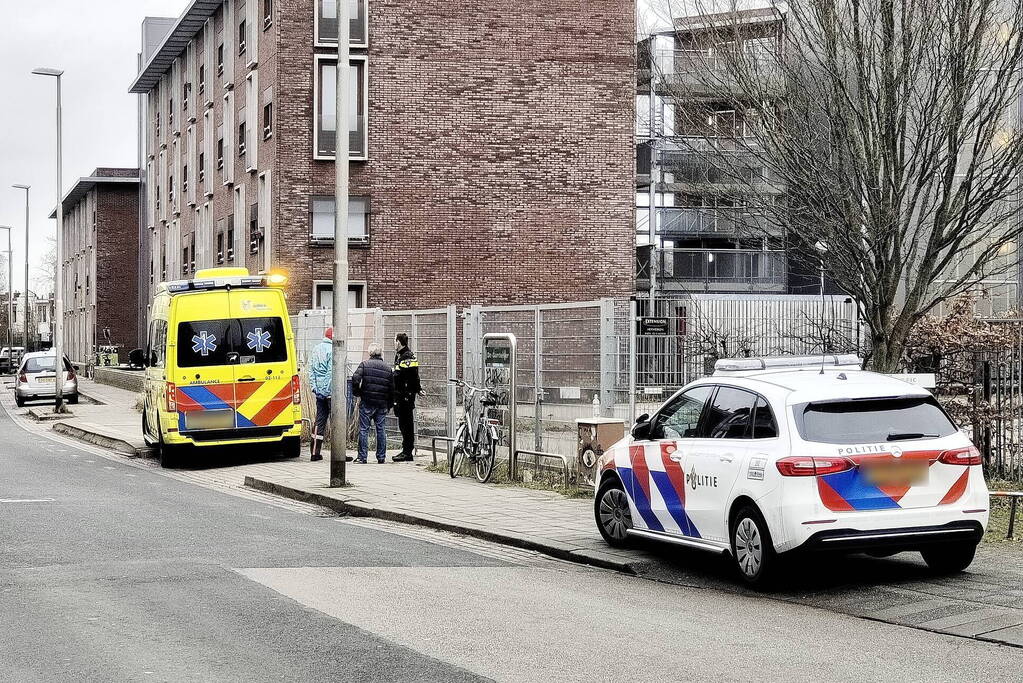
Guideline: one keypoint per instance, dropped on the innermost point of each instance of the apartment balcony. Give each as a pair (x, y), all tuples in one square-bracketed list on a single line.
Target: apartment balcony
[(698, 165), (707, 270), (690, 222), (699, 73)]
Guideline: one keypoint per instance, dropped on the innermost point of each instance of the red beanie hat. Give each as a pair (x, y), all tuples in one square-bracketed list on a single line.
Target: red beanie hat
[(329, 333)]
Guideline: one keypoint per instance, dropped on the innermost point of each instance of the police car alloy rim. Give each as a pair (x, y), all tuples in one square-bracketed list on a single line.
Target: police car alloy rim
[(749, 552), (614, 514)]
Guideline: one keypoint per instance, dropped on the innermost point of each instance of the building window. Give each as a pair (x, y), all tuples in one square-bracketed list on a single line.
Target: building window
[(202, 78), (326, 87), (254, 228), (241, 37), (268, 120), (170, 113), (220, 247), (322, 219), (220, 59), (323, 295), (230, 237), (202, 166), (191, 259), (186, 91), (241, 139), (184, 261), (326, 22), (156, 124), (184, 178), (268, 13), (220, 152), (170, 189)]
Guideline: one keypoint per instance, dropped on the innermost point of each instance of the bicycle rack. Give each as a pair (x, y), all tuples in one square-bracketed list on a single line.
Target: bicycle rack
[(433, 447), (542, 454)]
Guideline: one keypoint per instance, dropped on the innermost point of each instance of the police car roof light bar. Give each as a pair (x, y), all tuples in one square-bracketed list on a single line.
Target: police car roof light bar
[(742, 365)]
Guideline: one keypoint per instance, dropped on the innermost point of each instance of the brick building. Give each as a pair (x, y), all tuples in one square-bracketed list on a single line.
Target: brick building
[(492, 148), (100, 252)]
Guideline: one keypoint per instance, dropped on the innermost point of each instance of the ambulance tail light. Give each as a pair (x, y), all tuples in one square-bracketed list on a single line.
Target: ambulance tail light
[(961, 456), (806, 466), (296, 390), (172, 398)]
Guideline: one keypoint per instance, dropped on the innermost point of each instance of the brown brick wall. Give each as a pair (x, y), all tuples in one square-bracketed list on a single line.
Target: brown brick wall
[(501, 153), (117, 253)]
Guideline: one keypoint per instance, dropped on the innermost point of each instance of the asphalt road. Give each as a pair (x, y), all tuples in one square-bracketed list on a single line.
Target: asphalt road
[(114, 573)]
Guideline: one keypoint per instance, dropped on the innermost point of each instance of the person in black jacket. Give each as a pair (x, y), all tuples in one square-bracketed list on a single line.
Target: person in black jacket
[(373, 383), (406, 388)]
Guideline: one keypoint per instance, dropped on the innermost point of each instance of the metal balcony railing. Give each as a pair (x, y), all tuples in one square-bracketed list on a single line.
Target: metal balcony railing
[(747, 269), (702, 70), (704, 221)]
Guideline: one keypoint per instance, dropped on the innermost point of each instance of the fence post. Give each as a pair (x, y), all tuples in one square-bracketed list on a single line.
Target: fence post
[(607, 354), (537, 375), (452, 344), (633, 361)]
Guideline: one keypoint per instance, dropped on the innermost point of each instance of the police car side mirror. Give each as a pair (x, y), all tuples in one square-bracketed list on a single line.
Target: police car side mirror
[(642, 429)]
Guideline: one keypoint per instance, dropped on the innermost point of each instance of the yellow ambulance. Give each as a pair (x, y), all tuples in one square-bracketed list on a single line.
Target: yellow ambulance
[(220, 365)]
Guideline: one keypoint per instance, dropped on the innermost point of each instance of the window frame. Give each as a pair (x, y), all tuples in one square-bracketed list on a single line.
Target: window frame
[(317, 42), (317, 61), (361, 285), (329, 241), (749, 426), (656, 421)]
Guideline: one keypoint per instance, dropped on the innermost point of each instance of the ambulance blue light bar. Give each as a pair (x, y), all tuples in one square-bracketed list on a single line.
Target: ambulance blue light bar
[(734, 366)]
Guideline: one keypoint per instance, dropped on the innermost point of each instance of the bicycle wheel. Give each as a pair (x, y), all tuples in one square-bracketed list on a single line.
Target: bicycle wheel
[(485, 461)]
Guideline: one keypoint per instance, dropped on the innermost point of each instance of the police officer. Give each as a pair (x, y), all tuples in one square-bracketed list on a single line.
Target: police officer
[(406, 388)]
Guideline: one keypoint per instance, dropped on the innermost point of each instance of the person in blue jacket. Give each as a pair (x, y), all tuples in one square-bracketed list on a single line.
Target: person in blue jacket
[(321, 368)]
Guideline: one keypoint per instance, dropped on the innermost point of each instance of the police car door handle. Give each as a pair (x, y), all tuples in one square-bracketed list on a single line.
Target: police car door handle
[(676, 457), (726, 458)]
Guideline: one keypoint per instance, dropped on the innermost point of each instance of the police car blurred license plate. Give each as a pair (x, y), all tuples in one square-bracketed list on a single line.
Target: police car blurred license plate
[(897, 473), (209, 419)]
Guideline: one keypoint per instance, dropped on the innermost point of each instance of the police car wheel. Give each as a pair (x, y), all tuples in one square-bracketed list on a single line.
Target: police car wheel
[(949, 558), (611, 509), (752, 549)]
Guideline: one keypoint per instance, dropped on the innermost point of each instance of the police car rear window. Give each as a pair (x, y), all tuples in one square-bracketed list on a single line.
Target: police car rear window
[(872, 420), (234, 341)]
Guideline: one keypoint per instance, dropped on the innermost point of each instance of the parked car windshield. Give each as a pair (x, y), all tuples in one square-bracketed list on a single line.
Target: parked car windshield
[(872, 420)]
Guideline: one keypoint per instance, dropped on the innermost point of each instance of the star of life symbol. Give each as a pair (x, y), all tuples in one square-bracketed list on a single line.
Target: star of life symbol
[(204, 343), (258, 340)]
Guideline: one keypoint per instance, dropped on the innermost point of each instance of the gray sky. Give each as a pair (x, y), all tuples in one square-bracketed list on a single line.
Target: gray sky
[(96, 44)]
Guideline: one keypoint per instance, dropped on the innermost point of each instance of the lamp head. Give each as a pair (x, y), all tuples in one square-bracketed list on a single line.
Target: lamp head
[(46, 71), (21, 187)]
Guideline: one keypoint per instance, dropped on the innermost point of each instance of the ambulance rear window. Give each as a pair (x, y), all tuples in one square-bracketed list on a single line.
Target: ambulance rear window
[(235, 341)]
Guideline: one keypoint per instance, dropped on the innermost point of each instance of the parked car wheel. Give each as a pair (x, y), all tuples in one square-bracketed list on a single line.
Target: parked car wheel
[(19, 401), (949, 558), (752, 548), (614, 517)]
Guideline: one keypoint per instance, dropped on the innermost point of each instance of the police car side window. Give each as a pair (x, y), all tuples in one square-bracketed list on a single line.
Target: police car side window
[(730, 415), (680, 419), (764, 426)]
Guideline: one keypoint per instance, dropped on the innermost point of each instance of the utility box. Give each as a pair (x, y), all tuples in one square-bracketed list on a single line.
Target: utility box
[(596, 435)]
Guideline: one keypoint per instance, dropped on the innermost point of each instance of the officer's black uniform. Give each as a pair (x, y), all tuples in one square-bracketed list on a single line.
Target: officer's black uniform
[(406, 387)]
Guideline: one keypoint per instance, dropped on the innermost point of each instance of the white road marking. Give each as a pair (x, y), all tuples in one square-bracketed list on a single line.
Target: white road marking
[(26, 500)]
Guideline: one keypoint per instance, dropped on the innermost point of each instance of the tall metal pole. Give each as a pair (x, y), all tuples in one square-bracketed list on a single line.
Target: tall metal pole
[(652, 209), (10, 299), (338, 392), (26, 189), (58, 300)]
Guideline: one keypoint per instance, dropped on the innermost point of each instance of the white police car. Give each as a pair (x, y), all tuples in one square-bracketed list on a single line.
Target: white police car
[(774, 455)]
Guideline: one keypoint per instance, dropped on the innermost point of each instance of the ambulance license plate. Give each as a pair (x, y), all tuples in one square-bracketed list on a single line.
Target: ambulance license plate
[(209, 419), (897, 473)]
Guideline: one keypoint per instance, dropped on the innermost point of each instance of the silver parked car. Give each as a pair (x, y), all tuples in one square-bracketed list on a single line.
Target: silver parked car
[(37, 378)]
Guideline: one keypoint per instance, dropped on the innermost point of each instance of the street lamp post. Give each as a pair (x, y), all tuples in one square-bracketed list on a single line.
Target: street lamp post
[(26, 189), (58, 300), (10, 299), (339, 389)]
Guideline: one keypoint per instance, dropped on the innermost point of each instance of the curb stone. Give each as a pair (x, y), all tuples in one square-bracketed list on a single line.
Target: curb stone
[(111, 443), (360, 509)]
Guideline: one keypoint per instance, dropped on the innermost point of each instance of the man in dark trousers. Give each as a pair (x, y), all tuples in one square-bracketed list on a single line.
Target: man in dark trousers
[(406, 388), (373, 383)]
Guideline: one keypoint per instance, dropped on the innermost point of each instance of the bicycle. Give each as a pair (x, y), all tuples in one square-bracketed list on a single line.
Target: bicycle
[(477, 435)]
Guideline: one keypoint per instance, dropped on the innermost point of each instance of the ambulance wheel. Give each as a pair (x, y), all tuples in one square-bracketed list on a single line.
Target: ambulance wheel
[(612, 513), (752, 548), (170, 456), (291, 447), (949, 558)]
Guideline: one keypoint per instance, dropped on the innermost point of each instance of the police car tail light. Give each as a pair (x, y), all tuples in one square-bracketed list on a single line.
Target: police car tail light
[(172, 398), (296, 390), (961, 456), (806, 466)]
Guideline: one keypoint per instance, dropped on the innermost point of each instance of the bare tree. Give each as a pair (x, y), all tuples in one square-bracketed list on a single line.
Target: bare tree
[(882, 132)]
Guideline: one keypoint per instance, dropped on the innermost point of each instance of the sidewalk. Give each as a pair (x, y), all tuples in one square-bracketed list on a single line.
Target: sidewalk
[(107, 417)]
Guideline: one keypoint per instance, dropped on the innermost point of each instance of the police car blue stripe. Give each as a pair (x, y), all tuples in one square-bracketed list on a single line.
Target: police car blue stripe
[(633, 489), (674, 504)]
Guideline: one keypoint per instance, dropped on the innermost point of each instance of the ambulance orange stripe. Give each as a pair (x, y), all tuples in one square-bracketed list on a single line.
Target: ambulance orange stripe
[(243, 390), (274, 407)]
